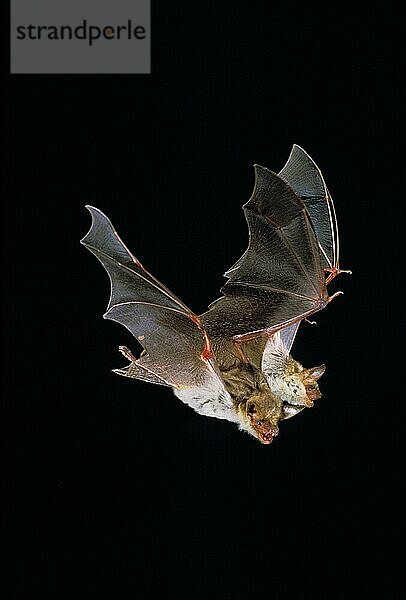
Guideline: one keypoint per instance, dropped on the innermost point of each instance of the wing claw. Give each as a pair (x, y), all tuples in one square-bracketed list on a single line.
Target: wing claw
[(339, 293)]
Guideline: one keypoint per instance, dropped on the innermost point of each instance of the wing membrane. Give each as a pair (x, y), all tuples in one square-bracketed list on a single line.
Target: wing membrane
[(176, 345), (306, 180), (280, 279)]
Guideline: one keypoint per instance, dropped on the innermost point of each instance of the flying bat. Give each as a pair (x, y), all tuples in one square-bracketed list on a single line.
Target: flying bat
[(233, 362)]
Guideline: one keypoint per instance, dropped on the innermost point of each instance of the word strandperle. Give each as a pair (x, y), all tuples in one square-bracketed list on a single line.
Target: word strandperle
[(86, 32)]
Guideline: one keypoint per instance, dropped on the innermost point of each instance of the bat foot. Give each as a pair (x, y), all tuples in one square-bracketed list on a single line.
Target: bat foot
[(334, 271)]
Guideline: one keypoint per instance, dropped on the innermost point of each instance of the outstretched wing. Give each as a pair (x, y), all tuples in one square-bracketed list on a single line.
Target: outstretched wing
[(280, 278), (306, 180), (177, 350)]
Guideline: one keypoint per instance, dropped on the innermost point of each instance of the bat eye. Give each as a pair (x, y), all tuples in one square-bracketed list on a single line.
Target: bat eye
[(259, 423), (251, 409)]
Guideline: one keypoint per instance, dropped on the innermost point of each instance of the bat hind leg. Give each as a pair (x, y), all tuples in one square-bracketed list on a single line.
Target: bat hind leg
[(334, 271)]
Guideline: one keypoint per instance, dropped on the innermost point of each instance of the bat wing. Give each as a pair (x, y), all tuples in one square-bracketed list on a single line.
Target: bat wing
[(280, 278), (306, 180), (176, 347)]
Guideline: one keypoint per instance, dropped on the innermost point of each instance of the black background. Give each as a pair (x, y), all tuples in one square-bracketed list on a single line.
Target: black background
[(114, 488)]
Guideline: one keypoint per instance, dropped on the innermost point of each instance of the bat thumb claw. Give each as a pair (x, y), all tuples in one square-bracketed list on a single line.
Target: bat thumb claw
[(339, 293), (127, 353), (310, 322)]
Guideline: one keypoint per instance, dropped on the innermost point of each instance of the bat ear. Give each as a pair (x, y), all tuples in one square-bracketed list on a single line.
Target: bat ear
[(315, 372)]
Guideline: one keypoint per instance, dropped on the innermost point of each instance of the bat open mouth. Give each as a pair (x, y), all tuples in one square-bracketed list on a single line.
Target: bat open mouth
[(267, 438), (265, 431)]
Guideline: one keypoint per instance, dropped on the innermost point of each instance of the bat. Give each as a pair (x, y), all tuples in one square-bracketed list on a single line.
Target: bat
[(233, 362)]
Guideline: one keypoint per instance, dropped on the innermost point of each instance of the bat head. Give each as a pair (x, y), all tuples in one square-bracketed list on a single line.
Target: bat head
[(295, 385), (263, 410), (309, 378)]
